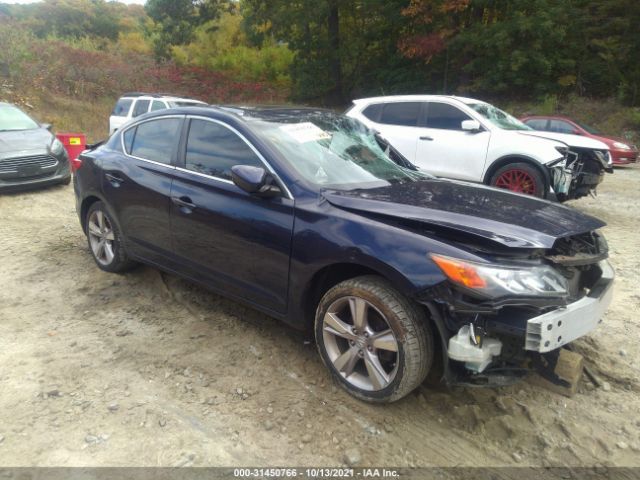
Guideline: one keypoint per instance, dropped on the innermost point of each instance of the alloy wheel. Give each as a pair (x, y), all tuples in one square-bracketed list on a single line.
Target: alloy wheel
[(360, 343), (101, 237), (517, 180)]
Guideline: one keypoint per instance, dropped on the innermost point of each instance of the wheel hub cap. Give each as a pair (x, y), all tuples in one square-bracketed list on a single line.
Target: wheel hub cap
[(360, 343), (101, 237)]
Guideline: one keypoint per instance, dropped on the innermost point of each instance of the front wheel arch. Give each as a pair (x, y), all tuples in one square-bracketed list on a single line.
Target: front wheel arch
[(501, 162), (412, 339)]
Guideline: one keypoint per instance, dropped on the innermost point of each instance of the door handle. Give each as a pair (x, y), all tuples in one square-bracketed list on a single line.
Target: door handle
[(114, 179), (183, 202), (427, 138)]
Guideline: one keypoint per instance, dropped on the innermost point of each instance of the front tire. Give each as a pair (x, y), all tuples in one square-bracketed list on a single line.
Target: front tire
[(375, 342), (105, 240), (521, 178)]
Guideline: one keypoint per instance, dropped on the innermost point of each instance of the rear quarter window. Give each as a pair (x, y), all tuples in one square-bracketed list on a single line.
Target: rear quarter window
[(372, 112), (122, 107), (401, 113), (127, 138)]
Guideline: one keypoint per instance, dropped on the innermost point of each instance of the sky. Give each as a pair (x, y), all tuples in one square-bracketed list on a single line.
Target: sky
[(139, 2)]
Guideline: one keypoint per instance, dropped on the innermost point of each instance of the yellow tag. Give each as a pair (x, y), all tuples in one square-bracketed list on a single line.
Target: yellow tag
[(74, 141)]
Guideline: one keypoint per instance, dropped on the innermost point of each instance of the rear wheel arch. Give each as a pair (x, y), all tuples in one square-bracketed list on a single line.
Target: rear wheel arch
[(509, 159), (84, 209)]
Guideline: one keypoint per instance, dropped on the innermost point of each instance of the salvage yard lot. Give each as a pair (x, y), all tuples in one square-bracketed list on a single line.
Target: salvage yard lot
[(147, 369)]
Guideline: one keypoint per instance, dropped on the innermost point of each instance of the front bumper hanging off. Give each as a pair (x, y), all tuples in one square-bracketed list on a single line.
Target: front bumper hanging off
[(554, 329)]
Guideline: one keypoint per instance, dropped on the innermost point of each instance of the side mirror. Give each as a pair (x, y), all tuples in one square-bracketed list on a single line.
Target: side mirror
[(47, 126), (472, 126), (576, 132), (254, 180)]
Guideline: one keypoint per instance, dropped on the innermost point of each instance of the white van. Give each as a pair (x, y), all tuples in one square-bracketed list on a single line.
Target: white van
[(132, 105)]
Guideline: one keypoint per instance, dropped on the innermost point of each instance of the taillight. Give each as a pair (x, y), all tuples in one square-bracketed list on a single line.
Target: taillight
[(76, 163)]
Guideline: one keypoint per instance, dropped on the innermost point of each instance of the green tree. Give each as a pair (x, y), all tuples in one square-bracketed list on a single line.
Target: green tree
[(341, 48), (175, 21)]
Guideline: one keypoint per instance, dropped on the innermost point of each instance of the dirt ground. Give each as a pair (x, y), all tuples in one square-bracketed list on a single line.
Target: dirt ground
[(146, 369)]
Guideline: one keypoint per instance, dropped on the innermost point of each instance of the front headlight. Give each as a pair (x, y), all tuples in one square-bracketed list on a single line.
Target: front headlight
[(621, 146), (497, 281), (57, 147)]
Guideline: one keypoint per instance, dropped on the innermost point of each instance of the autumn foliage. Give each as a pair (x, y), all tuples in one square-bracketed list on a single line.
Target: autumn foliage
[(84, 70)]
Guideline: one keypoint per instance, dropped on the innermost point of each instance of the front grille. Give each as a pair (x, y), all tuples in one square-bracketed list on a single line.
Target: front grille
[(33, 162)]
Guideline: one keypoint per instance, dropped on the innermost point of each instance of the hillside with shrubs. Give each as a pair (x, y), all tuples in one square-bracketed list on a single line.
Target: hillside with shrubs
[(68, 60)]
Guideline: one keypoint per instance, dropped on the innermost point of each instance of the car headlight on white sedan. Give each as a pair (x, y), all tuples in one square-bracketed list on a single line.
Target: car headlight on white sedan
[(496, 281), (57, 147)]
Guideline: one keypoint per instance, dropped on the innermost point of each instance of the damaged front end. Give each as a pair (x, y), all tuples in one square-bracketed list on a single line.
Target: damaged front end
[(500, 317), (579, 172)]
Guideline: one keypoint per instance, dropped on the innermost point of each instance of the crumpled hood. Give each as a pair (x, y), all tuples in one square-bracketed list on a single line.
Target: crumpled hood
[(509, 219), (571, 140), (15, 143)]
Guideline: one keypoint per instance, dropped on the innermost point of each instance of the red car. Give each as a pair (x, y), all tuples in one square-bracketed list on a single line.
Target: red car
[(622, 152)]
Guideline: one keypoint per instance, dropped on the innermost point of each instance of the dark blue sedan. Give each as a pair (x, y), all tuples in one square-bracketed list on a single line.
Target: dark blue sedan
[(305, 215)]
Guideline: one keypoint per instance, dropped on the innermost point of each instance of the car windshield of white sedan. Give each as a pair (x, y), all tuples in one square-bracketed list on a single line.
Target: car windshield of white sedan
[(12, 118), (336, 152), (498, 117)]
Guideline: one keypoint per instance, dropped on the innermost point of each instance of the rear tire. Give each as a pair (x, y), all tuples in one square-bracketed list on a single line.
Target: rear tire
[(105, 240), (520, 177), (376, 343)]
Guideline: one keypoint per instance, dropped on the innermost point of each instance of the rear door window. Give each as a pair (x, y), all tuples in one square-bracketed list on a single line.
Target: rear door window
[(445, 117), (401, 113), (156, 140), (560, 126), (537, 123), (122, 107), (141, 106), (158, 105), (212, 149)]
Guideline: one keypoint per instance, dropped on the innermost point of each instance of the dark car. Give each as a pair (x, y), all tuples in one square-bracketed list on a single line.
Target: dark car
[(30, 155), (622, 151), (301, 214)]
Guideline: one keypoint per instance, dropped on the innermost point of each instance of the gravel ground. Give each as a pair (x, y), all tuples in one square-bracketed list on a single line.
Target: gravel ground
[(146, 369)]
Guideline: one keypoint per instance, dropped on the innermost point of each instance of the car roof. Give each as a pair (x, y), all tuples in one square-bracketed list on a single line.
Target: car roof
[(274, 112), (549, 117), (247, 114), (415, 98), (159, 96)]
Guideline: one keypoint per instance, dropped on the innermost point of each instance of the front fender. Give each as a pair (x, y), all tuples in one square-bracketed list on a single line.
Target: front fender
[(326, 236)]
